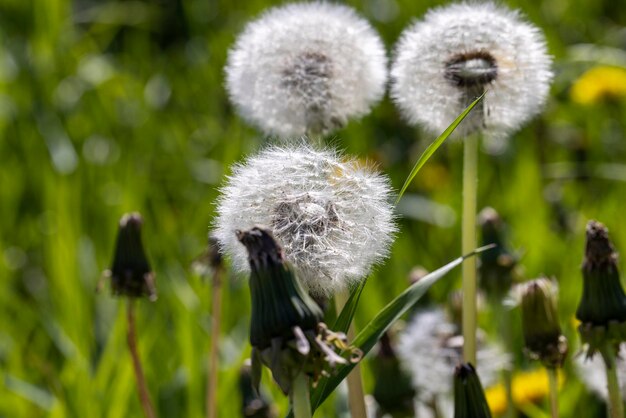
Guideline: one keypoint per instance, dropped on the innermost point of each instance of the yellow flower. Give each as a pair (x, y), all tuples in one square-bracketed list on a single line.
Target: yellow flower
[(598, 84), (528, 387)]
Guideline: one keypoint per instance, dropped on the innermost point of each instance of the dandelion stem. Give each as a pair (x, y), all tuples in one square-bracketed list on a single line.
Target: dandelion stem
[(470, 178), (142, 387), (356, 395), (616, 406), (216, 318), (554, 391), (300, 397)]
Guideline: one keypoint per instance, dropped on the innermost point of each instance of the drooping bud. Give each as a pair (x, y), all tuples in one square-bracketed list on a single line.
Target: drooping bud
[(393, 389), (286, 331), (540, 323), (496, 266), (602, 309), (255, 405), (469, 397), (130, 273)]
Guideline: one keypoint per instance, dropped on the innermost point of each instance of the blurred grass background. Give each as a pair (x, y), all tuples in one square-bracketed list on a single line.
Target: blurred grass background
[(115, 106)]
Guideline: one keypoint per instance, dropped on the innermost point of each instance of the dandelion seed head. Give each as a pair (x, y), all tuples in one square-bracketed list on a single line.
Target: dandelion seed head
[(430, 347), (306, 68), (443, 62), (592, 372), (330, 214)]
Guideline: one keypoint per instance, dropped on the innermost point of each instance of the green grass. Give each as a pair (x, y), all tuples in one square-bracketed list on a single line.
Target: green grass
[(110, 107)]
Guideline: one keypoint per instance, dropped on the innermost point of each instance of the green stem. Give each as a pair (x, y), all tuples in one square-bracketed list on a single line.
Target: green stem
[(470, 178), (300, 397), (142, 387), (554, 391), (356, 394), (616, 406), (211, 393)]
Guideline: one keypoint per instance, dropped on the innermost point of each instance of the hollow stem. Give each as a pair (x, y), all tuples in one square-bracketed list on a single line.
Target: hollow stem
[(216, 319), (300, 397), (142, 387), (470, 178), (356, 395), (554, 391), (616, 406)]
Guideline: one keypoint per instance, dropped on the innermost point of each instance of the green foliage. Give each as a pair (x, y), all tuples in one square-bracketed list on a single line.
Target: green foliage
[(110, 107)]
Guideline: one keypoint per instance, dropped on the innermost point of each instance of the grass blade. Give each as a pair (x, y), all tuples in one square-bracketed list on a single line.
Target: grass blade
[(368, 337), (347, 313), (428, 152)]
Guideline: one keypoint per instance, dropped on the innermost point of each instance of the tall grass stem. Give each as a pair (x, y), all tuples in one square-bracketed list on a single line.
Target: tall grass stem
[(142, 387), (470, 179), (216, 319)]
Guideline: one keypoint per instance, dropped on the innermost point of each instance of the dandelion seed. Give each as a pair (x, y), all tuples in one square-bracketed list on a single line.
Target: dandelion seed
[(445, 61), (331, 215), (306, 69)]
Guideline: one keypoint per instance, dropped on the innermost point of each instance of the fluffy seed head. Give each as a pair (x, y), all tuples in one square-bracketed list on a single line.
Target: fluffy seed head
[(330, 214), (306, 68), (431, 347), (443, 62)]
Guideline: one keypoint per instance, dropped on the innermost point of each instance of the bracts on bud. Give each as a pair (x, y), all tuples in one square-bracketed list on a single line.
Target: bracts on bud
[(602, 309), (469, 398), (286, 330)]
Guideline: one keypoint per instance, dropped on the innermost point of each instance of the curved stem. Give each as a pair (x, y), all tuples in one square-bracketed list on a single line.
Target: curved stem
[(142, 387), (300, 397), (616, 405), (554, 391), (470, 178), (216, 319)]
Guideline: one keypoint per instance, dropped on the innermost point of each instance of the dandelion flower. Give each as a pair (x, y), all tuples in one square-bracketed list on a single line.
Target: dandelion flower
[(330, 214), (598, 84), (306, 68), (431, 347), (443, 62), (528, 387)]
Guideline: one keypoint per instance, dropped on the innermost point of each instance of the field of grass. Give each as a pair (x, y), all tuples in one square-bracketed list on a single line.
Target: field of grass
[(108, 107)]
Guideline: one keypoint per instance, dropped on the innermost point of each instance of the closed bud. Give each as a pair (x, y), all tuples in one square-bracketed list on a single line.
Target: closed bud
[(130, 273), (393, 389), (540, 323), (497, 266), (286, 331), (602, 309), (469, 398)]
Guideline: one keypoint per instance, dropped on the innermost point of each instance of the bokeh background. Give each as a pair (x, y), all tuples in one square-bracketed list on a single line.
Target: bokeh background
[(115, 106)]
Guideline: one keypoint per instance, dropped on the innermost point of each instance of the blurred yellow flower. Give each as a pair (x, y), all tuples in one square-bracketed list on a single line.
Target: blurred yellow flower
[(598, 84), (528, 387)]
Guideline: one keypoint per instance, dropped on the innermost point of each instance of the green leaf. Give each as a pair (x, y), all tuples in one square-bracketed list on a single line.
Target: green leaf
[(369, 336), (347, 313), (435, 145)]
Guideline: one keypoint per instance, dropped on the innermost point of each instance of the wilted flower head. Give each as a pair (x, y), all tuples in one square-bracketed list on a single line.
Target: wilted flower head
[(330, 214), (130, 273), (306, 68), (443, 62), (431, 347)]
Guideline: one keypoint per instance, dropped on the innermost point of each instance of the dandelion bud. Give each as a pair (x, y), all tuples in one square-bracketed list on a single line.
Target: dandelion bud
[(393, 389), (130, 272), (286, 331), (469, 398), (540, 323), (602, 309), (255, 405), (496, 266)]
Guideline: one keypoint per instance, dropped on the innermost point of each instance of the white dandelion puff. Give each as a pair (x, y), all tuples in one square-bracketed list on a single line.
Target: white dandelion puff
[(431, 347), (331, 214), (592, 372), (443, 62), (306, 68)]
